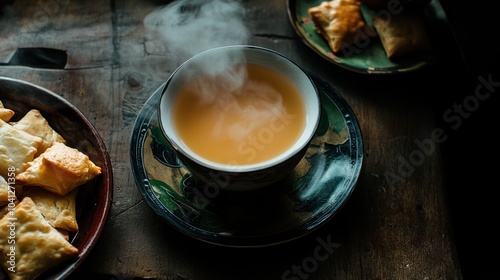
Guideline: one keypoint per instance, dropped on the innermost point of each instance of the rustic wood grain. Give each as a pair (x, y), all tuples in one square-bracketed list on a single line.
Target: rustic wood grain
[(395, 226)]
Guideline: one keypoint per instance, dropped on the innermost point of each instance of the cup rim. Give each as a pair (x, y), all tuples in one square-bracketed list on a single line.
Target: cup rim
[(290, 152)]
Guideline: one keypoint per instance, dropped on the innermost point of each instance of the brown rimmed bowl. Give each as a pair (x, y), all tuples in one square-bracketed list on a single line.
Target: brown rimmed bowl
[(94, 197)]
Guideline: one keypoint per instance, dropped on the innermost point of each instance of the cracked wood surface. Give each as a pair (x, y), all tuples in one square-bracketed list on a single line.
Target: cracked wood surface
[(387, 230)]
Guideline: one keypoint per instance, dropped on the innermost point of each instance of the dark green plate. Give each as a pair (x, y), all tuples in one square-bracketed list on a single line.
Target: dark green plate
[(369, 58), (317, 188)]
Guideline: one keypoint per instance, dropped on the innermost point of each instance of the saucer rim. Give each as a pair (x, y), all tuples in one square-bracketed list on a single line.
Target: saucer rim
[(143, 183)]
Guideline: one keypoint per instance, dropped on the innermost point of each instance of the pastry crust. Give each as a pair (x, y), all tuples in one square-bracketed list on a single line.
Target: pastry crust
[(339, 22), (35, 124), (402, 34), (4, 191), (59, 169), (17, 148), (37, 245), (5, 113), (59, 210)]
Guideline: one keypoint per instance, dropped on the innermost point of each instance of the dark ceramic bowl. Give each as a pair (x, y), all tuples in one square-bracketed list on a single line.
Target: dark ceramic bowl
[(94, 198)]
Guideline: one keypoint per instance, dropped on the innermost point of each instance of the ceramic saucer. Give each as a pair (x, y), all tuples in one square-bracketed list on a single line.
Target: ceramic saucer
[(317, 188)]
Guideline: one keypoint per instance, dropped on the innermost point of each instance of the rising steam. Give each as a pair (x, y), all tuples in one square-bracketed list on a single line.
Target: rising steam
[(189, 27)]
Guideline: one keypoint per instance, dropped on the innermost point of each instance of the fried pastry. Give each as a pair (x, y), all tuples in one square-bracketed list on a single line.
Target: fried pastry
[(339, 22), (4, 210), (35, 124), (17, 148), (402, 33), (59, 210), (4, 191), (37, 247), (59, 169), (5, 113), (64, 233)]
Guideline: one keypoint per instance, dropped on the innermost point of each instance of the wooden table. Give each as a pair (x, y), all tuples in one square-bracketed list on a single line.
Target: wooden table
[(396, 225)]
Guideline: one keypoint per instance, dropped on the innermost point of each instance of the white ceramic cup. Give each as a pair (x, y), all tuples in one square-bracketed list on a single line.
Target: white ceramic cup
[(246, 176)]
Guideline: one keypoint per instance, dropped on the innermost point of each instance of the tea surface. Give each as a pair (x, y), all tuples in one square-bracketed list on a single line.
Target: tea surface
[(250, 121)]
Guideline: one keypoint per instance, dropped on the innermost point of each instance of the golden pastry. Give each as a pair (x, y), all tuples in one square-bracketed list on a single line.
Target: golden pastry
[(35, 124), (402, 33), (59, 169), (339, 22), (5, 114), (17, 148), (59, 210), (34, 243), (4, 191)]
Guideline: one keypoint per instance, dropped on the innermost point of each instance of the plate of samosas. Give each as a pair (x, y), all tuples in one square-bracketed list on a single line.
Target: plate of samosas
[(55, 183), (369, 36)]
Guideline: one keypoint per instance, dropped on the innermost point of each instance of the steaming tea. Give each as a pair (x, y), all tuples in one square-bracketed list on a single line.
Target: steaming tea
[(239, 121)]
